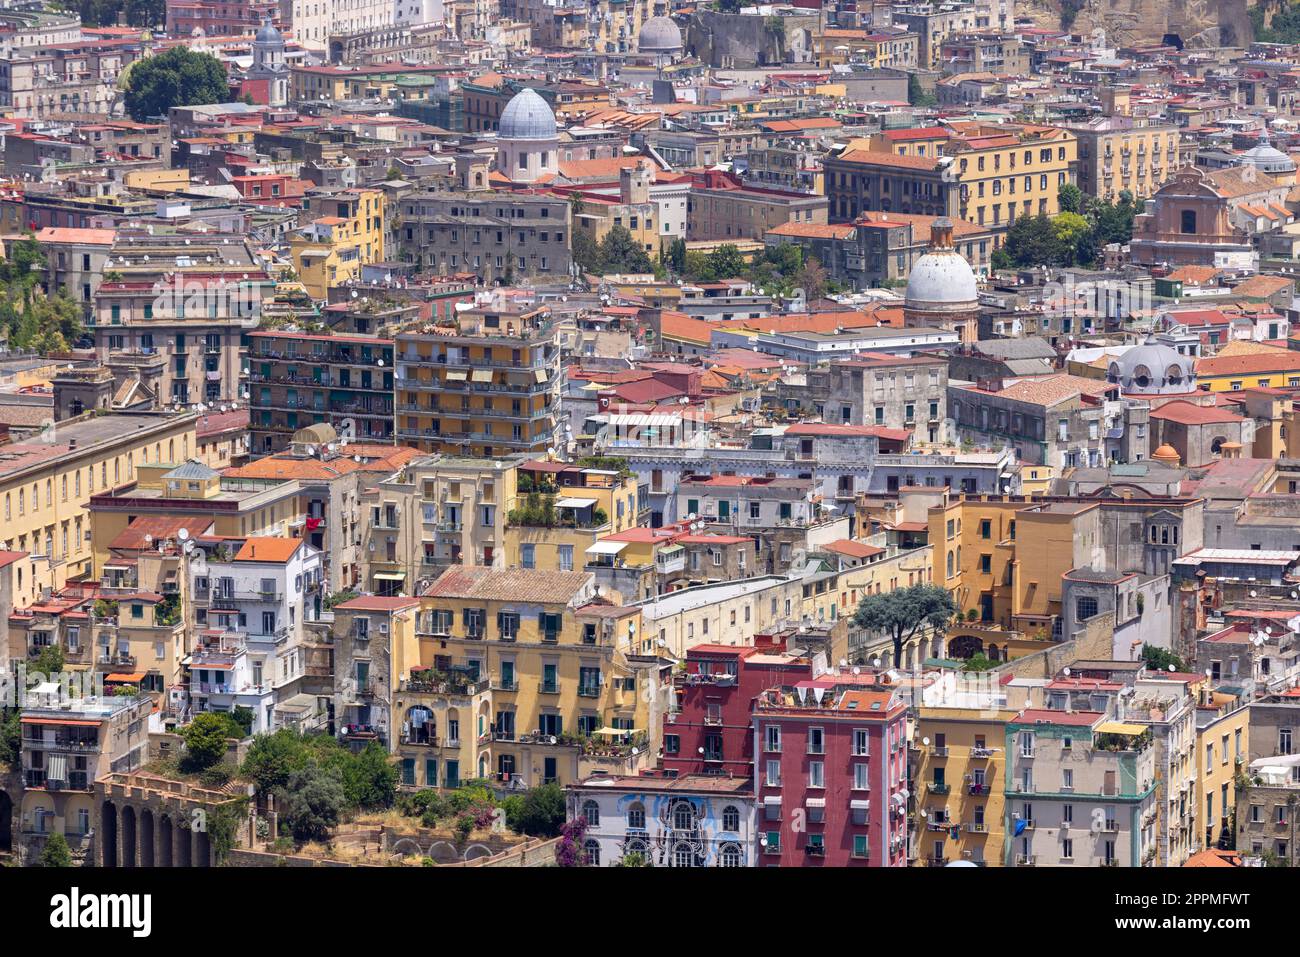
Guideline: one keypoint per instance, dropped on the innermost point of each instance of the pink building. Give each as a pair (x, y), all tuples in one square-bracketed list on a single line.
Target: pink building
[(832, 773)]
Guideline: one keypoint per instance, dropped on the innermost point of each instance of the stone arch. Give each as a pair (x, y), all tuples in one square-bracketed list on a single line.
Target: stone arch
[(965, 646), (475, 851), (146, 838), (992, 653), (444, 852), (407, 845), (202, 850), (184, 847), (108, 834), (128, 836), (165, 839)]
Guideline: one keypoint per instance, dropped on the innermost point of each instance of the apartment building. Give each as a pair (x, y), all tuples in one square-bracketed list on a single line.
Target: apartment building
[(497, 235), (720, 208), (986, 175), (562, 672), (1117, 153), (374, 647), (1266, 810), (486, 386), (252, 600), (178, 308), (66, 746), (297, 379), (831, 756), (894, 392), (561, 510), (1223, 743), (1080, 791), (699, 820), (959, 785), (344, 231), (48, 484)]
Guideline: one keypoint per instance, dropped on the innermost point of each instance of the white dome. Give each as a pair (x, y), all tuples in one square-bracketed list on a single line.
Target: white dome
[(268, 33), (1153, 368), (942, 278), (527, 117), (1268, 158), (659, 35)]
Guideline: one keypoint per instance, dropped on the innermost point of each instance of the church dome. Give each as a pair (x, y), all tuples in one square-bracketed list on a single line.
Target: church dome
[(268, 34), (942, 278), (527, 117), (1267, 158), (659, 35), (1166, 454), (1153, 368)]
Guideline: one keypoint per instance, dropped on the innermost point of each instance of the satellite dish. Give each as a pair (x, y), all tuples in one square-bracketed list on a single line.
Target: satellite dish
[(926, 742), (148, 539), (1171, 667), (1067, 672), (183, 534)]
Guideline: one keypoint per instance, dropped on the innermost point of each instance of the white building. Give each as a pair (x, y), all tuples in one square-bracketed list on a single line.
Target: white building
[(693, 821), (250, 610)]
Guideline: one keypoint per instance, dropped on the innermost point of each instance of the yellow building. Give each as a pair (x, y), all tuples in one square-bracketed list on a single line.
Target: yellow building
[(1222, 750), (560, 511), (1264, 367), (485, 385), (345, 231), (986, 174), (1116, 155), (833, 47), (961, 767), (563, 689), (46, 484), (1005, 558)]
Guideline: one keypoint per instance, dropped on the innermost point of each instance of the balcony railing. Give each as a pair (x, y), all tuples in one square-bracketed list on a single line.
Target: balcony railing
[(938, 787)]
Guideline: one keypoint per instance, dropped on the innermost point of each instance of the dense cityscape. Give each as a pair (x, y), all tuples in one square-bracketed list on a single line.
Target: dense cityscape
[(636, 433)]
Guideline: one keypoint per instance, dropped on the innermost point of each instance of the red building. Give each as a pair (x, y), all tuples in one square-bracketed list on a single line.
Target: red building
[(827, 754), (712, 729), (832, 773)]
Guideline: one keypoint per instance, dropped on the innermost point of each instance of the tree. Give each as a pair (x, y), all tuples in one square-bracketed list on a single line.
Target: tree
[(49, 662), (369, 778), (205, 740), (903, 612), (1070, 198), (1033, 241), (677, 255), (811, 278), (726, 262), (1159, 659), (311, 802), (176, 77), (272, 758), (11, 739), (541, 814), (917, 95), (56, 852), (568, 852), (145, 13), (621, 253), (586, 252)]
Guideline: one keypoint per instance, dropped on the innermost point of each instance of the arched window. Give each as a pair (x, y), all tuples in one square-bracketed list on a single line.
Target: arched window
[(683, 816), (1141, 377), (636, 815), (683, 855), (950, 561), (591, 851), (731, 818), (1216, 446), (637, 847), (730, 855), (591, 811)]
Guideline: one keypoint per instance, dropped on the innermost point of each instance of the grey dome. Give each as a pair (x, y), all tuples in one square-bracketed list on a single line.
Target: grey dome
[(942, 278), (1267, 158), (527, 117), (1153, 368), (659, 35), (268, 34)]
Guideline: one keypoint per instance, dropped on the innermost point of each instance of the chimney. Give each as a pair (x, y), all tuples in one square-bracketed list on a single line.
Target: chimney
[(941, 233)]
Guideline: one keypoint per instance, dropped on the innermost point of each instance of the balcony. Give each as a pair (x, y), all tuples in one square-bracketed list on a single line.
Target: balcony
[(981, 753), (977, 827), (420, 740), (936, 862), (548, 687), (938, 787), (978, 789), (588, 691), (1026, 860)]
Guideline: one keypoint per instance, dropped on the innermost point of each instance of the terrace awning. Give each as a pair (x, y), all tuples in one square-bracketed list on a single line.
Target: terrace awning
[(576, 502), (606, 548), (481, 375), (1120, 727), (391, 576), (456, 375)]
